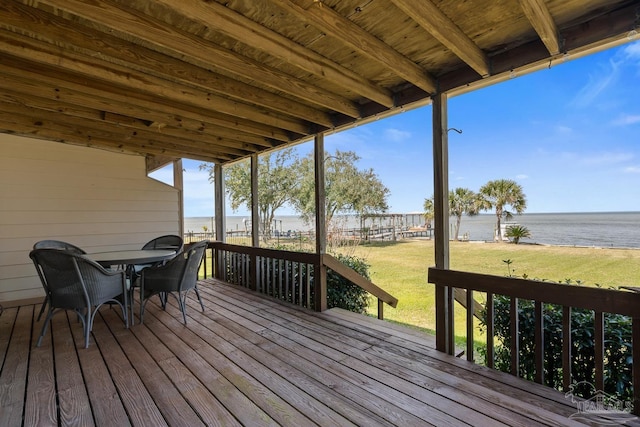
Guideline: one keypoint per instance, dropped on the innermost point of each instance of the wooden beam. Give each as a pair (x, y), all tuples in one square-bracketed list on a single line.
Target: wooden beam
[(25, 77), (436, 23), (91, 42), (223, 19), (29, 127), (115, 75), (154, 163), (191, 140), (206, 135), (91, 131), (162, 38), (542, 21), (327, 20)]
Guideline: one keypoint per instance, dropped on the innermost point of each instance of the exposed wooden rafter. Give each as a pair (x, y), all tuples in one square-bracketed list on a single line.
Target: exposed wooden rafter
[(234, 25), (178, 44), (335, 25), (447, 32), (542, 21)]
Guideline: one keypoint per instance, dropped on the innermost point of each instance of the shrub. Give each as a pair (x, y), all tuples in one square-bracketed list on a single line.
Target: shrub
[(617, 350), (344, 294), (517, 232)]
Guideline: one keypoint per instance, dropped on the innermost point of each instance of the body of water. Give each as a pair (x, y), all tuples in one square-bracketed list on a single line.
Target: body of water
[(599, 229)]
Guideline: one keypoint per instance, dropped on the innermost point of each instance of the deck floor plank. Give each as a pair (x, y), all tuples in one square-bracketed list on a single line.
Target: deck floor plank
[(241, 376), (67, 334), (7, 322), (185, 346), (254, 361), (13, 377), (420, 401), (206, 406), (231, 345), (173, 406), (136, 398), (40, 403), (234, 332)]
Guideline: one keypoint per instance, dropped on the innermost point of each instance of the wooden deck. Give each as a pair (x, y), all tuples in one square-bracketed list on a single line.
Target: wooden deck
[(248, 360)]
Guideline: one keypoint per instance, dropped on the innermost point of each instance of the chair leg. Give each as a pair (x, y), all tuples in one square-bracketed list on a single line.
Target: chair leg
[(44, 326), (129, 307), (182, 302), (163, 300), (87, 330), (44, 305), (199, 299), (142, 303)]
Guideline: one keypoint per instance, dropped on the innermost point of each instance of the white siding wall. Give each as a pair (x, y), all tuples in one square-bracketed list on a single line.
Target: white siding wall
[(95, 199)]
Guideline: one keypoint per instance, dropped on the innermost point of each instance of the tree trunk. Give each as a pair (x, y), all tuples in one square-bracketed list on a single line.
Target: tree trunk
[(457, 230)]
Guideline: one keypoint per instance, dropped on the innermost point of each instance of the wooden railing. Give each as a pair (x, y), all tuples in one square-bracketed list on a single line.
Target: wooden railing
[(599, 301), (293, 277), (354, 277)]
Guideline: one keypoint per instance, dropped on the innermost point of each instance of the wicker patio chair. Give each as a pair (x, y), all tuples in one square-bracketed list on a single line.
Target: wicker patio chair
[(179, 276), (54, 244), (79, 284), (169, 241)]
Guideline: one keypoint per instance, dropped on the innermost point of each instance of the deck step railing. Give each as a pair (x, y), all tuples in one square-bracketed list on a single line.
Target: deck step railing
[(600, 302)]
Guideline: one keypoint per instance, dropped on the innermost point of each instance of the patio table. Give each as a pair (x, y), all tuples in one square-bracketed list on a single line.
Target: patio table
[(134, 256)]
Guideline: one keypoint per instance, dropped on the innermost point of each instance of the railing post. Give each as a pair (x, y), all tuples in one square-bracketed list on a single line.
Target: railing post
[(320, 284), (539, 341), (514, 329), (254, 272), (380, 309), (635, 368)]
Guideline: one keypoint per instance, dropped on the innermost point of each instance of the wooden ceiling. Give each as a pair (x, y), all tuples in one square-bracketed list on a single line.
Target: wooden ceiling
[(220, 80)]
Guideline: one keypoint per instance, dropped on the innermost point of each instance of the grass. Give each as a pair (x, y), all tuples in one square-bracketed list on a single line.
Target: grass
[(400, 268)]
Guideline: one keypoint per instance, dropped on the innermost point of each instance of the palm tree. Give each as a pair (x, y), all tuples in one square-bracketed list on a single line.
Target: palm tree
[(428, 209), (462, 201), (517, 232), (501, 193)]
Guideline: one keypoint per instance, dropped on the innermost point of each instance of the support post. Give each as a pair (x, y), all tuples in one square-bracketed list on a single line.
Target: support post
[(321, 229), (255, 223), (178, 183), (444, 294), (219, 217)]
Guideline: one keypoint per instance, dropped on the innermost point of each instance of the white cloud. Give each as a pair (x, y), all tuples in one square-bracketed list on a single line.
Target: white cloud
[(606, 158), (562, 129), (597, 83), (522, 176), (397, 135), (632, 51), (632, 169), (627, 119), (595, 159)]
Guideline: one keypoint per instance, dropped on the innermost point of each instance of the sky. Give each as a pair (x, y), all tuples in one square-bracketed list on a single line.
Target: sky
[(568, 134)]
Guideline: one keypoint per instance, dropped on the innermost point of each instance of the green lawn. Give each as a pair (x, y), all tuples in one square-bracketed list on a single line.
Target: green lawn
[(400, 268)]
